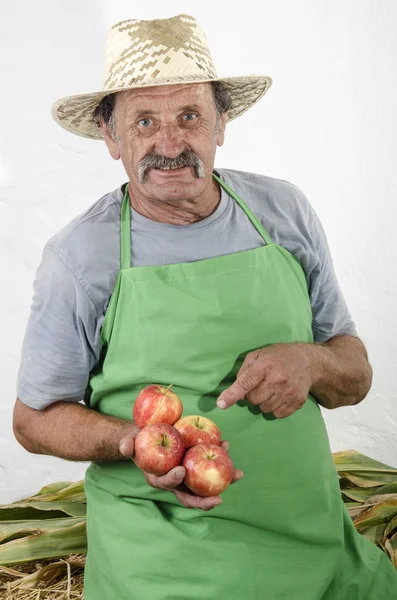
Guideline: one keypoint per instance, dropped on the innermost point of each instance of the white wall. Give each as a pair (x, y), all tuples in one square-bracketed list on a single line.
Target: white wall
[(328, 125)]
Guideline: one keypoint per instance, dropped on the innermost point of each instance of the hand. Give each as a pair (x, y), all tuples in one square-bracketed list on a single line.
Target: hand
[(277, 379), (173, 480)]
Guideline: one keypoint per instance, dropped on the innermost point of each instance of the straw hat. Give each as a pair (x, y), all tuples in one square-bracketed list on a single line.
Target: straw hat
[(143, 54)]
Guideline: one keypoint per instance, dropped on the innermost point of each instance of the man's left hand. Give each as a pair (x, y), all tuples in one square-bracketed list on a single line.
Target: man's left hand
[(277, 379)]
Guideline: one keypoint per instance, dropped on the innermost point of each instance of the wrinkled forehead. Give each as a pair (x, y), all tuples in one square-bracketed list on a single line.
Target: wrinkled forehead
[(170, 96)]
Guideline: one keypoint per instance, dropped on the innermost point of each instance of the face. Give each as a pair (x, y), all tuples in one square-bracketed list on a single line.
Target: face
[(167, 121)]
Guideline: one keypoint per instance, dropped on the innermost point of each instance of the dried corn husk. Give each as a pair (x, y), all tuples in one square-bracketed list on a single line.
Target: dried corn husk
[(51, 524)]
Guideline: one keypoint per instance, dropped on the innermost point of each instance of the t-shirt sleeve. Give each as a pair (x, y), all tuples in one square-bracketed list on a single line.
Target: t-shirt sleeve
[(61, 343), (331, 316)]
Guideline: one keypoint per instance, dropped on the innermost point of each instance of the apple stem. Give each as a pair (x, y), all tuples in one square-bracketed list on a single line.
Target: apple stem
[(168, 388)]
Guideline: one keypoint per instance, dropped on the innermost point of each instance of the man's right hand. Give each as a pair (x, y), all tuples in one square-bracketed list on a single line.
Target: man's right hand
[(173, 480)]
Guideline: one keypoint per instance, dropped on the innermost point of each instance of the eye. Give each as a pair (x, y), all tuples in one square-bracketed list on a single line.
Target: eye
[(145, 123), (189, 117)]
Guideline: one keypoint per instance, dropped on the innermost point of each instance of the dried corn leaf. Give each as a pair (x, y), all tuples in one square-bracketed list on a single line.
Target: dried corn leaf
[(380, 498), (49, 490), (351, 460), (374, 534), (393, 541), (390, 551), (391, 526), (357, 494), (27, 511), (46, 544), (356, 510), (45, 574), (70, 491), (19, 529), (389, 488), (380, 513), (368, 480)]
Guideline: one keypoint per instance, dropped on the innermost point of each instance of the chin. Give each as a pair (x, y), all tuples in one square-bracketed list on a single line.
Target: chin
[(175, 189)]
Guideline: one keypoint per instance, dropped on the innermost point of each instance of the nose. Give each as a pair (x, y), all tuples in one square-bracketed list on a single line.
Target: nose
[(169, 140)]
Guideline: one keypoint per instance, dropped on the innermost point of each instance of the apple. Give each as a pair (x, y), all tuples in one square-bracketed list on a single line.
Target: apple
[(195, 429), (156, 404), (209, 469), (158, 448)]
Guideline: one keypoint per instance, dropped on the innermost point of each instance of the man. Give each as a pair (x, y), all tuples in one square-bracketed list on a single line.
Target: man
[(221, 283)]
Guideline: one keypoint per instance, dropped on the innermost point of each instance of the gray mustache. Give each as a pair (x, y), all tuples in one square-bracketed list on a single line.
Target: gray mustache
[(187, 158)]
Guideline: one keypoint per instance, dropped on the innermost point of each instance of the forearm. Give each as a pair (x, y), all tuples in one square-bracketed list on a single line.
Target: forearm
[(341, 373), (72, 431)]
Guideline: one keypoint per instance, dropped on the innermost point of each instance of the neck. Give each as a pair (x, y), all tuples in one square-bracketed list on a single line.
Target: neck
[(177, 212)]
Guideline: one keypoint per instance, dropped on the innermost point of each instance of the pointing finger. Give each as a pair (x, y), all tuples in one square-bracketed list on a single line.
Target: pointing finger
[(244, 383)]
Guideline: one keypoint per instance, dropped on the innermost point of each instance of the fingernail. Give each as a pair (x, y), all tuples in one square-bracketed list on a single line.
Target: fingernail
[(221, 404), (179, 473)]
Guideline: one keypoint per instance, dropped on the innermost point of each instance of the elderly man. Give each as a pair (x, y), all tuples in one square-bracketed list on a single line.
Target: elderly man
[(221, 283)]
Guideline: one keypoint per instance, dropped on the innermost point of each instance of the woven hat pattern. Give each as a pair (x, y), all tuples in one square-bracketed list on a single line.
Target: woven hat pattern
[(151, 53), (152, 50)]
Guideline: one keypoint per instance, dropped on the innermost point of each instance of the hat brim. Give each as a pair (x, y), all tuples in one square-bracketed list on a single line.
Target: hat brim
[(76, 113)]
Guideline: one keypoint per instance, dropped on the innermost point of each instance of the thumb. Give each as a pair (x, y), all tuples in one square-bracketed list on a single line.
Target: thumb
[(126, 447), (245, 382)]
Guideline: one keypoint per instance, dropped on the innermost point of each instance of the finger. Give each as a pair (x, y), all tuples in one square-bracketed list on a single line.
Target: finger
[(169, 481), (285, 410), (271, 403), (238, 474), (262, 394), (190, 500), (225, 445), (126, 447), (244, 383), (250, 359)]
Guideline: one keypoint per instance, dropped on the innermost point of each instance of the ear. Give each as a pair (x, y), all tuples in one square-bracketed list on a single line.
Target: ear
[(221, 133), (110, 141)]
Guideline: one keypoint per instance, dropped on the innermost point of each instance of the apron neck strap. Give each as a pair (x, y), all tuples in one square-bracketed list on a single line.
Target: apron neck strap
[(255, 222), (125, 234)]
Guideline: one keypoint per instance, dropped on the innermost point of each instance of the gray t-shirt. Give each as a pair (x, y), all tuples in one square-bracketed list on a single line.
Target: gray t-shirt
[(79, 267)]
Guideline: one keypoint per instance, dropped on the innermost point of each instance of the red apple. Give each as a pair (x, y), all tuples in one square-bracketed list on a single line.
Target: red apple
[(158, 448), (195, 429), (209, 469), (156, 404)]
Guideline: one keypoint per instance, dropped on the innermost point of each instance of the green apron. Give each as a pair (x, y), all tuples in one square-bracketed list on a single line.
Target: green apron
[(282, 532)]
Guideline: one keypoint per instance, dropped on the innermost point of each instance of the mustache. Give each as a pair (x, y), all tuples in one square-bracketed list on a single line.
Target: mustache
[(187, 158)]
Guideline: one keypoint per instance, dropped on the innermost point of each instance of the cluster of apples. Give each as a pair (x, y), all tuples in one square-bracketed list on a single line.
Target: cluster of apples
[(166, 440)]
